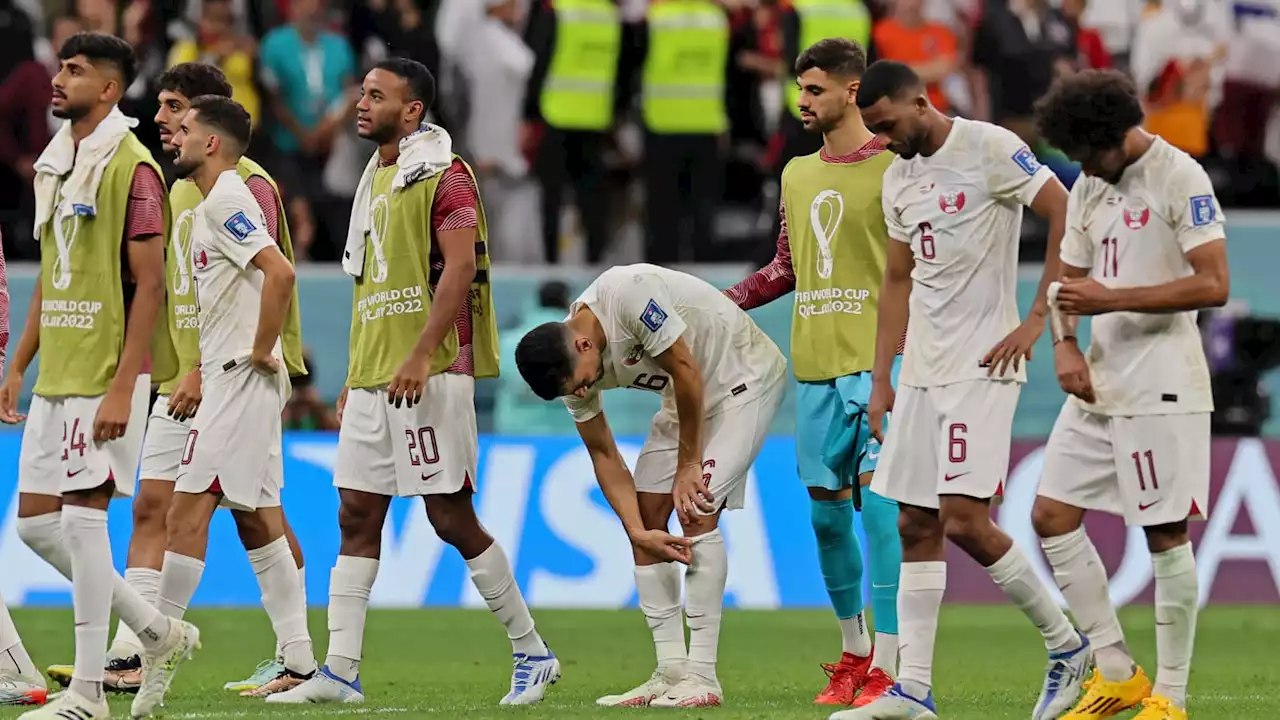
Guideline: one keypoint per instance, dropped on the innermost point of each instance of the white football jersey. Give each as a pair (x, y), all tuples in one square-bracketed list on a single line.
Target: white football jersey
[(960, 209), (1137, 233), (644, 309), (229, 232)]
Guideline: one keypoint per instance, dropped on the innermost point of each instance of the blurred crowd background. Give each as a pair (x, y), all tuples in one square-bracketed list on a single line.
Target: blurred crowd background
[(588, 154)]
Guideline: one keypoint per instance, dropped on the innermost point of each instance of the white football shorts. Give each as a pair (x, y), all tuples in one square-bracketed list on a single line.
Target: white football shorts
[(948, 440), (166, 438), (234, 446), (429, 449), (734, 437), (1149, 469), (59, 455)]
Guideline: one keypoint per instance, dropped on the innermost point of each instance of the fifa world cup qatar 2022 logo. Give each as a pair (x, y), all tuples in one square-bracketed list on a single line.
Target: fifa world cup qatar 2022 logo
[(379, 216), (825, 213), (183, 234)]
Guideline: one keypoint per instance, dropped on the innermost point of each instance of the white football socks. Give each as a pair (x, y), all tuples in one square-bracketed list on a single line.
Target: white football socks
[(491, 574), (704, 598), (658, 587), (146, 582), (43, 534), (1015, 577), (1177, 603), (885, 654), (349, 584), (302, 578), (854, 637), (13, 656), (178, 582), (89, 547), (920, 589), (285, 603), (1082, 578)]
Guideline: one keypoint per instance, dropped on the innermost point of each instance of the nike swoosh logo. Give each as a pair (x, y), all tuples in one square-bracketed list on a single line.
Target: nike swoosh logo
[(949, 478), (874, 585), (73, 474), (1144, 506), (1163, 624), (873, 456), (427, 478)]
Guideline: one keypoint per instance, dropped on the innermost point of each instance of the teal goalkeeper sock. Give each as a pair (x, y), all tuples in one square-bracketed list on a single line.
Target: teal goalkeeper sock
[(884, 558), (839, 554)]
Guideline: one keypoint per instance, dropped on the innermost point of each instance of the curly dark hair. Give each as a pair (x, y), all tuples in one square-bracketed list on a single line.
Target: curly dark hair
[(194, 79), (1088, 112)]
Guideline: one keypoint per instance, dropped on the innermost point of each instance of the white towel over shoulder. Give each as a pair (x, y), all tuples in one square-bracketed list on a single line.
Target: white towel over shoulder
[(424, 154)]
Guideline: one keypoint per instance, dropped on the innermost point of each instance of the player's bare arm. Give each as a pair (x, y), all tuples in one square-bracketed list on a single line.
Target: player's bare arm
[(146, 263), (28, 344), (458, 247), (1209, 285), (891, 323), (1068, 360), (620, 490), (689, 492), (277, 292), (1050, 203)]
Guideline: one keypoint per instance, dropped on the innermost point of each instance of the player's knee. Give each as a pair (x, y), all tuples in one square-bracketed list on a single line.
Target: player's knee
[(832, 520), (360, 525), (918, 529), (697, 524), (1162, 538), (1051, 519), (150, 514)]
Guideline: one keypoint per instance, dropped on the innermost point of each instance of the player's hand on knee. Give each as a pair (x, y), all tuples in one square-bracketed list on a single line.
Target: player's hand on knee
[(882, 398), (664, 546), (185, 399), (342, 403), (9, 391), (410, 381), (1015, 346), (113, 415), (1072, 370), (690, 492)]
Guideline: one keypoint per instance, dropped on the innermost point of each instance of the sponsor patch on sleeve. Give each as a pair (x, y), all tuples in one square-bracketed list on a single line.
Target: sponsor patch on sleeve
[(1027, 160), (239, 225), (653, 316), (1202, 210)]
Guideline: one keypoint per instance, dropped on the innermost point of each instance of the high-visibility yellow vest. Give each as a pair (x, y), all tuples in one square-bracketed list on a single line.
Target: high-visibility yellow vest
[(684, 71), (578, 92), (822, 19)]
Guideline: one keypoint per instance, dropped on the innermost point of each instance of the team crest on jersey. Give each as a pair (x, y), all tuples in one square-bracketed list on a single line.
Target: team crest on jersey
[(200, 260), (239, 225), (633, 355), (951, 201), (1136, 217), (653, 316), (1202, 210)]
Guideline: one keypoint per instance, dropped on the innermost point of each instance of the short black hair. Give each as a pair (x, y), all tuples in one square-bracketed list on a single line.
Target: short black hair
[(1088, 111), (193, 79), (226, 116), (834, 55), (422, 84), (100, 48), (544, 361), (887, 79)]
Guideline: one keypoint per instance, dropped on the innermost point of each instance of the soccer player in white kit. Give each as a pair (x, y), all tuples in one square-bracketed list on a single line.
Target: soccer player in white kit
[(1144, 250), (721, 379), (233, 455), (953, 204)]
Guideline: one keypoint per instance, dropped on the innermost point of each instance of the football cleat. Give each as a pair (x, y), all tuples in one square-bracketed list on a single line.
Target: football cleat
[(70, 704), (895, 704), (878, 683), (1103, 699), (692, 691), (846, 679), (285, 680), (18, 690), (531, 677), (656, 686), (1064, 676), (160, 667), (1159, 707), (322, 687), (121, 675), (266, 671)]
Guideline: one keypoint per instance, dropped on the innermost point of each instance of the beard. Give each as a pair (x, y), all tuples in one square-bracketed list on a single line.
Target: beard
[(380, 133), (184, 169), (70, 112)]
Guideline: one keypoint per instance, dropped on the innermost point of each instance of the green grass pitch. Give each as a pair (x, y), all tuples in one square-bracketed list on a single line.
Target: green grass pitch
[(455, 663)]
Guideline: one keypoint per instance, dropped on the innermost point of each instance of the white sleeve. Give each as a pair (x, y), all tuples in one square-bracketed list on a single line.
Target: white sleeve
[(892, 220), (583, 409), (642, 305), (1194, 209), (1077, 251), (235, 221), (1013, 172)]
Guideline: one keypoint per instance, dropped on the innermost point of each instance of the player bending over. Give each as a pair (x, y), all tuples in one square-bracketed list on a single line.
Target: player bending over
[(178, 399), (101, 221), (953, 203), (233, 454), (422, 330), (1144, 250), (831, 251), (721, 379)]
